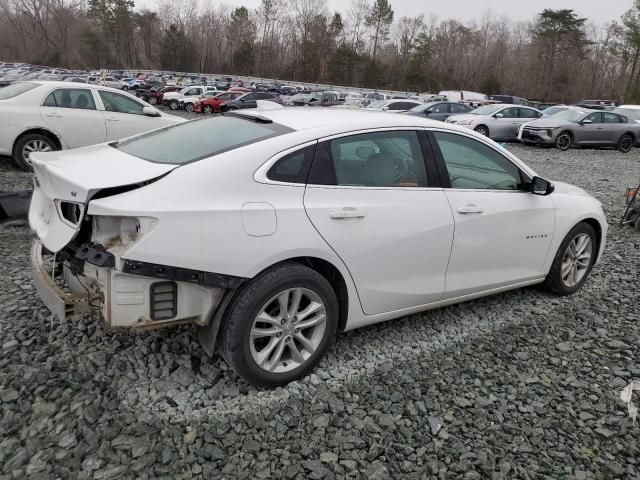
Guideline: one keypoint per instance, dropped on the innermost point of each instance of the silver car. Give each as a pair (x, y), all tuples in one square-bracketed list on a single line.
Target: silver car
[(582, 127), (499, 122)]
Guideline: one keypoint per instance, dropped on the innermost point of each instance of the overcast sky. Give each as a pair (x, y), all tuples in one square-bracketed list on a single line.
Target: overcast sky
[(598, 11)]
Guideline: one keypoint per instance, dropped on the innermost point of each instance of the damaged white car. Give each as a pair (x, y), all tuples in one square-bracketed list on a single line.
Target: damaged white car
[(271, 229)]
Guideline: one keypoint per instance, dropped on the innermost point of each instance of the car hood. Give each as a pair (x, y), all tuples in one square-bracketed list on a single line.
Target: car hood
[(568, 189), (549, 122), (76, 176)]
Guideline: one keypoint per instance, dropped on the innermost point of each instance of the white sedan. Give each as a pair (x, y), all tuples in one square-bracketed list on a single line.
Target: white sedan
[(44, 116), (273, 228)]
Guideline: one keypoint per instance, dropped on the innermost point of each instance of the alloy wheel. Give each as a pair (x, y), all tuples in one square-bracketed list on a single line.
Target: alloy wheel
[(35, 146), (482, 131), (563, 142), (576, 260), (288, 330), (626, 144)]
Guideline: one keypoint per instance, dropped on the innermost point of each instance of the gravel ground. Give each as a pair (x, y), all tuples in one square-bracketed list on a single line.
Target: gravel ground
[(519, 385)]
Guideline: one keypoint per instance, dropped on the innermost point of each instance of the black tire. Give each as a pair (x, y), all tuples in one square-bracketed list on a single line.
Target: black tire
[(153, 101), (173, 105), (19, 155), (235, 340), (208, 109), (554, 282), (564, 141), (625, 144), (482, 130), (125, 88), (189, 107), (231, 108)]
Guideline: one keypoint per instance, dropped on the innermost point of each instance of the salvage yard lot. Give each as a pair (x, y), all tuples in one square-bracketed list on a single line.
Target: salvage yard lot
[(518, 385)]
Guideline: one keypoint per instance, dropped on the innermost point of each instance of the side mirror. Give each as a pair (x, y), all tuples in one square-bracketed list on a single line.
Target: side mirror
[(585, 122), (499, 115), (150, 112), (385, 108), (540, 186)]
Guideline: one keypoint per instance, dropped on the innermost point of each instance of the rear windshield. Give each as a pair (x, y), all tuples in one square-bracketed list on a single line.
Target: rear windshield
[(198, 139), (16, 89)]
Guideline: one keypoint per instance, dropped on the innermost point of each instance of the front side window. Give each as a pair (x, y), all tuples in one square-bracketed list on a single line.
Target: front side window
[(70, 98), (117, 103), (293, 168), (440, 108), (509, 113), (380, 159), (474, 165), (594, 117)]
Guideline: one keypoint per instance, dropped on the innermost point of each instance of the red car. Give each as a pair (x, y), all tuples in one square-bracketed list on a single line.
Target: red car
[(154, 96), (212, 105)]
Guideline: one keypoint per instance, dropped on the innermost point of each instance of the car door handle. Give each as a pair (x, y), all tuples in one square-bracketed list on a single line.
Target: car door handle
[(346, 213), (467, 209), (53, 115), (111, 119)]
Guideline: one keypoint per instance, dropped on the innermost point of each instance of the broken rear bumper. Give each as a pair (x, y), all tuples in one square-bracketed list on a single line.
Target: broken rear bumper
[(63, 305)]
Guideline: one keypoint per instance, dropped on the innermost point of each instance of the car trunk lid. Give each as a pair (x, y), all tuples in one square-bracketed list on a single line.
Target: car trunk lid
[(64, 182)]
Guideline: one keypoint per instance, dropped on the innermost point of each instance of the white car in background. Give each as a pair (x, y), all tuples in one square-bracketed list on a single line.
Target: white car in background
[(110, 82), (272, 228), (44, 116), (172, 99), (632, 112)]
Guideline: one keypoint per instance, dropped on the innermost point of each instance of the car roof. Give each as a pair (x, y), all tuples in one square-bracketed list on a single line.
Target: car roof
[(349, 120)]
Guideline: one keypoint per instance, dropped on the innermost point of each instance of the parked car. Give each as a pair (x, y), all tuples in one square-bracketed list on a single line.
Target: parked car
[(317, 99), (212, 105), (273, 229), (462, 95), (597, 104), (582, 127), (510, 99), (439, 110), (394, 106), (111, 82), (172, 99), (499, 122), (249, 100), (632, 112), (44, 116), (129, 83), (155, 95), (188, 103)]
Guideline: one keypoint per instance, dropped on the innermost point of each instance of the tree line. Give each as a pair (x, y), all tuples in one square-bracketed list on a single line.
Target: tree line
[(556, 56)]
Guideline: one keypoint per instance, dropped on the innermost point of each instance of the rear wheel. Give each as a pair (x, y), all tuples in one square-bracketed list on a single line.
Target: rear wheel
[(25, 146), (125, 88), (573, 261), (189, 107), (564, 141), (625, 144), (279, 326), (173, 104), (482, 130), (208, 109)]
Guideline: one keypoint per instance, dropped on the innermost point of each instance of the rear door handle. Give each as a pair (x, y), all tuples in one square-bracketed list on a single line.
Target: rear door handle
[(111, 119), (467, 209), (346, 213)]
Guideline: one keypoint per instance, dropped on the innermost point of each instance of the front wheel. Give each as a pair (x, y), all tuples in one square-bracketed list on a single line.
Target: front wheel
[(208, 109), (279, 326), (125, 88), (173, 104), (28, 144), (564, 141), (573, 261), (625, 144), (189, 107), (153, 100), (482, 130)]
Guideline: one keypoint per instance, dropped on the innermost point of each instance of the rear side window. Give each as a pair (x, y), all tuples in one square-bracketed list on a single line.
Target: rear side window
[(613, 118), (380, 159), (70, 98), (293, 168), (528, 113), (206, 137), (16, 89)]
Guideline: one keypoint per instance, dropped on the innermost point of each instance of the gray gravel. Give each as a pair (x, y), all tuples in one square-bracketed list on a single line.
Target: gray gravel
[(519, 385)]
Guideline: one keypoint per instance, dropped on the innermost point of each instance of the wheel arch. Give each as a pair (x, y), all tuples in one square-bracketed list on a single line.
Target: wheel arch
[(41, 131), (597, 227)]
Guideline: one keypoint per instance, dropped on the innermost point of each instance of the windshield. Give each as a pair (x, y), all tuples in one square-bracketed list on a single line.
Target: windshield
[(205, 138), (378, 104), (631, 113), (421, 108), (16, 89), (185, 90), (487, 110), (553, 110), (569, 115)]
